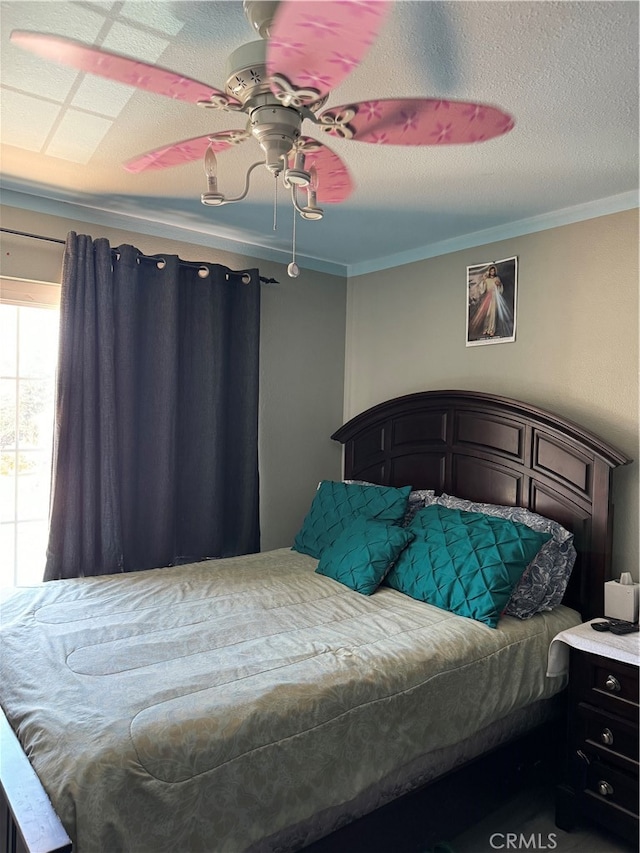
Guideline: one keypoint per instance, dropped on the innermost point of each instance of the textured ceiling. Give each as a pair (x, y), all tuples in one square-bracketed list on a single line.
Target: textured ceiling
[(566, 71)]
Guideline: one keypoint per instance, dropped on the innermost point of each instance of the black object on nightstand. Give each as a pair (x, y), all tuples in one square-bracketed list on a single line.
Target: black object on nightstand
[(616, 626), (600, 774)]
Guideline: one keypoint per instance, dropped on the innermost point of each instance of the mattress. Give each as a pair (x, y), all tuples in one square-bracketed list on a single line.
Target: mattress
[(223, 702)]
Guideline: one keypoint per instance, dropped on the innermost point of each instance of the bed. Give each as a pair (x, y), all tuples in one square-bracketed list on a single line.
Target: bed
[(255, 704)]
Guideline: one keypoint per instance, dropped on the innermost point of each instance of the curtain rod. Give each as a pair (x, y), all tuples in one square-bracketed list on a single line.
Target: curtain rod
[(263, 280)]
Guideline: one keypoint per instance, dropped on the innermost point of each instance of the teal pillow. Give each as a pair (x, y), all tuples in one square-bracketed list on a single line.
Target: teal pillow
[(363, 553), (465, 562), (335, 504)]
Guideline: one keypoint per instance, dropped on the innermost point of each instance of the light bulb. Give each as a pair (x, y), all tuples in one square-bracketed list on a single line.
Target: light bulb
[(212, 197), (210, 164), (211, 169)]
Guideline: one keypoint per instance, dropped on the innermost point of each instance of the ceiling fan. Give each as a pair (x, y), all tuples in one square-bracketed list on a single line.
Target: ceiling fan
[(306, 49)]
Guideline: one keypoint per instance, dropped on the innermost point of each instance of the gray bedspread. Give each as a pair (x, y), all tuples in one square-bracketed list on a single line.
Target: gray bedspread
[(206, 707)]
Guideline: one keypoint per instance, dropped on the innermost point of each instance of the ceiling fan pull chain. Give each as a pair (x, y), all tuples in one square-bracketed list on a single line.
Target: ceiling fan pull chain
[(275, 203), (293, 270)]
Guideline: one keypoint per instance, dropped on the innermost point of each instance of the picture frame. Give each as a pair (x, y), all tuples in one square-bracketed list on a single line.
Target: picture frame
[(492, 289)]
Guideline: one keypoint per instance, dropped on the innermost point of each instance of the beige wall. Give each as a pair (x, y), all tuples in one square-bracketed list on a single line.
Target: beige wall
[(302, 359), (576, 349)]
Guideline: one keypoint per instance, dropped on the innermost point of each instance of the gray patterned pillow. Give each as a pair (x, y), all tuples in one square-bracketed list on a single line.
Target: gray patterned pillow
[(545, 579), (418, 499)]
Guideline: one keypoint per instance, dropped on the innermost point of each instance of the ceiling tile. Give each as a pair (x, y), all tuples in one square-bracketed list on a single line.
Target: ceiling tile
[(101, 96), (31, 74), (78, 136), (23, 70), (135, 43), (26, 121), (156, 15)]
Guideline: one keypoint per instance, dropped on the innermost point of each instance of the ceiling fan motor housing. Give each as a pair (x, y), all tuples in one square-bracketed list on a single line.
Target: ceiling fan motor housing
[(274, 126), (247, 72), (277, 129)]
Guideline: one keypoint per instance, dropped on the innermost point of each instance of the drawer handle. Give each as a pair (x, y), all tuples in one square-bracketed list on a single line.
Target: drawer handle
[(605, 788), (612, 683), (606, 736)]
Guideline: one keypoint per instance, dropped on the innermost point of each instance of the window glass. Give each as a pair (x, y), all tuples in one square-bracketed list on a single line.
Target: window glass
[(28, 356)]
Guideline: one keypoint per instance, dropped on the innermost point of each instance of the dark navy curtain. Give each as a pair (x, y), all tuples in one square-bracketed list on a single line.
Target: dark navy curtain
[(156, 436)]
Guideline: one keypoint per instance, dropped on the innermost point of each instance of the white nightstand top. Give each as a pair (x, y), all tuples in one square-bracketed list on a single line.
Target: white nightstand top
[(621, 647)]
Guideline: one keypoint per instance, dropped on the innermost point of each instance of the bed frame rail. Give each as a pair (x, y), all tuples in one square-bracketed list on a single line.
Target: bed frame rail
[(28, 823)]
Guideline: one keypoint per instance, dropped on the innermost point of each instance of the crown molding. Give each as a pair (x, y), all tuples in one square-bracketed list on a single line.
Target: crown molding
[(543, 222), (140, 223)]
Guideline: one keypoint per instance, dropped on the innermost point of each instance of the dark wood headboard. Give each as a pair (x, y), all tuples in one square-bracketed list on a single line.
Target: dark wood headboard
[(496, 450)]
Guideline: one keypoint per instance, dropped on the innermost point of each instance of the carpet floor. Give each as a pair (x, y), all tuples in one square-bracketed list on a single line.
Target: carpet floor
[(529, 818)]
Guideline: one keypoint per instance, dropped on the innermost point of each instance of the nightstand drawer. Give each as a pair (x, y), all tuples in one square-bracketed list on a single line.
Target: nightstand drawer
[(613, 738), (607, 684), (608, 785), (600, 773)]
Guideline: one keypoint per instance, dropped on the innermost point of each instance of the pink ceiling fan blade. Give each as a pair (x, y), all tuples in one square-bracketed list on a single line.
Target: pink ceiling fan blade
[(333, 181), (416, 121), (122, 69), (314, 45), (185, 151)]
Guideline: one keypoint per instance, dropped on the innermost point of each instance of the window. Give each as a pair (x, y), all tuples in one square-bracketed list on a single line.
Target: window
[(29, 319)]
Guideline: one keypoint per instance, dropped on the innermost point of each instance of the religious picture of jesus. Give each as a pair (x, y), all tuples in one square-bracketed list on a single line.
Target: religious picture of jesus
[(491, 302)]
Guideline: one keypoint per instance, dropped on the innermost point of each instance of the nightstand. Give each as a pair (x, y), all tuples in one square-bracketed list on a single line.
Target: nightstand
[(600, 769)]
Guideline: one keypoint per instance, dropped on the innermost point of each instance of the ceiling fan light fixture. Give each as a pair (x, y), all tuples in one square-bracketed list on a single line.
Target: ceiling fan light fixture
[(311, 213), (213, 199), (297, 175)]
